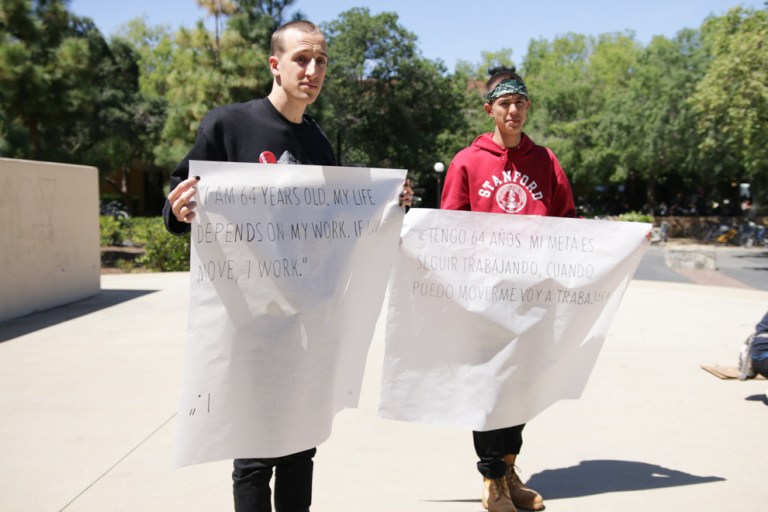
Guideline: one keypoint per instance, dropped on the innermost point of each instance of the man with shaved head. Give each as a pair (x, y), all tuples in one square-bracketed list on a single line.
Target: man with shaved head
[(266, 130)]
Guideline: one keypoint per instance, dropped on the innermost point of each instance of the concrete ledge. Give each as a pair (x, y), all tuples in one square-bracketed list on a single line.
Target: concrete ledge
[(49, 235), (690, 257)]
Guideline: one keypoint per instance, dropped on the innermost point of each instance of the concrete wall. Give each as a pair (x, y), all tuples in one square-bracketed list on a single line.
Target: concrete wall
[(49, 235)]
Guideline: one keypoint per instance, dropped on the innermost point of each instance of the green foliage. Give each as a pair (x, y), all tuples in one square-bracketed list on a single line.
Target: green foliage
[(489, 60), (571, 80), (644, 128), (111, 231), (630, 123), (379, 98), (204, 75), (154, 47), (731, 100), (164, 252), (635, 217), (49, 61), (66, 95), (133, 231), (139, 230), (255, 20), (194, 71)]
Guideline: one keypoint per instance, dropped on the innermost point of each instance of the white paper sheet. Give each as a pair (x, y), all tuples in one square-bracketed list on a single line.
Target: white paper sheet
[(288, 271), (492, 318)]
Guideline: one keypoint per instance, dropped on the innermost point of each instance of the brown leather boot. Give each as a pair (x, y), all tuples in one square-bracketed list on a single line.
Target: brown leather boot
[(496, 496), (521, 495)]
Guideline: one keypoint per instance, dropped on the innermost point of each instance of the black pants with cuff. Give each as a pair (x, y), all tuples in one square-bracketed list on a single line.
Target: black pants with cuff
[(293, 483), (492, 445)]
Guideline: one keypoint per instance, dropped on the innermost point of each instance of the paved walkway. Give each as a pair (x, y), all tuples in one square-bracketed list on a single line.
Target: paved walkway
[(89, 393)]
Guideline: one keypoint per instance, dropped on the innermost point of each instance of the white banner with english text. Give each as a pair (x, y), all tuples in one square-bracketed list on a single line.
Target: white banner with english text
[(492, 317), (288, 269)]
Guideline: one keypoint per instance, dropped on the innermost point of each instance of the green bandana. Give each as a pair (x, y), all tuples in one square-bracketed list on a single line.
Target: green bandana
[(511, 86)]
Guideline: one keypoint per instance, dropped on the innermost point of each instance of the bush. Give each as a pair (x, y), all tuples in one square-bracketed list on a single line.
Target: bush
[(636, 217), (164, 252), (111, 231), (138, 229)]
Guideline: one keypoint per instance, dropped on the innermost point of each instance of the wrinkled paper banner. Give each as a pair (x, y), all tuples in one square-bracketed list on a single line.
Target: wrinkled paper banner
[(492, 318), (288, 269)]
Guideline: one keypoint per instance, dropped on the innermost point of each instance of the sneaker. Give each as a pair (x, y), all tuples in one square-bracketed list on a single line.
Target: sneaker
[(496, 496), (521, 495), (745, 359)]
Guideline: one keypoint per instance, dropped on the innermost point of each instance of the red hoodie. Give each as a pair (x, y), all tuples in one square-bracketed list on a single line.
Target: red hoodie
[(525, 180)]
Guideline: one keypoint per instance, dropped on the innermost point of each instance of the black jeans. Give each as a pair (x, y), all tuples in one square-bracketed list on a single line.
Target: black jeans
[(293, 483), (492, 445)]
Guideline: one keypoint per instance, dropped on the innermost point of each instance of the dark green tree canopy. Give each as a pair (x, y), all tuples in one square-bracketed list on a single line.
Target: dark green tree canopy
[(633, 124), (380, 99)]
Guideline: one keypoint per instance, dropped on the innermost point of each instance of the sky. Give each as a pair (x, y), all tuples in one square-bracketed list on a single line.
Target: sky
[(453, 30)]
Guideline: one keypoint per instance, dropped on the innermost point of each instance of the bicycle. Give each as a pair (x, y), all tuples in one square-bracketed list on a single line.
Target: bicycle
[(113, 209)]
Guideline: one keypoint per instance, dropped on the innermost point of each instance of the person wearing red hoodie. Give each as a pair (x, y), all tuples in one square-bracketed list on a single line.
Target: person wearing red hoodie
[(506, 172)]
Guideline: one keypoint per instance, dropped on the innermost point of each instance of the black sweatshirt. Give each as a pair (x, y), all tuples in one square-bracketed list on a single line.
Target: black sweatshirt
[(241, 132)]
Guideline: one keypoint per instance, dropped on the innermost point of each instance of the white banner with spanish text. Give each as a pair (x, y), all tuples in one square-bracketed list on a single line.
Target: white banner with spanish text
[(288, 271), (492, 318)]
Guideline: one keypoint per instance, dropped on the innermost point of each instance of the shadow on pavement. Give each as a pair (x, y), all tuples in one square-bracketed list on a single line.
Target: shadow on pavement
[(755, 254), (602, 476), (16, 327), (757, 398), (756, 258)]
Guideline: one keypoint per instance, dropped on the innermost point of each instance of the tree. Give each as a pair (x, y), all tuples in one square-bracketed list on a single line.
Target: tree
[(48, 64), (217, 8), (154, 46), (383, 103), (127, 122), (69, 96), (556, 76), (569, 80), (256, 20), (731, 100), (646, 124), (194, 86), (489, 61), (195, 71)]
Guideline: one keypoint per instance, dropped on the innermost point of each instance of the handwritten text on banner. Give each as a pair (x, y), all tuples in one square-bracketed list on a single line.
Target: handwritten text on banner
[(288, 270), (492, 318)]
